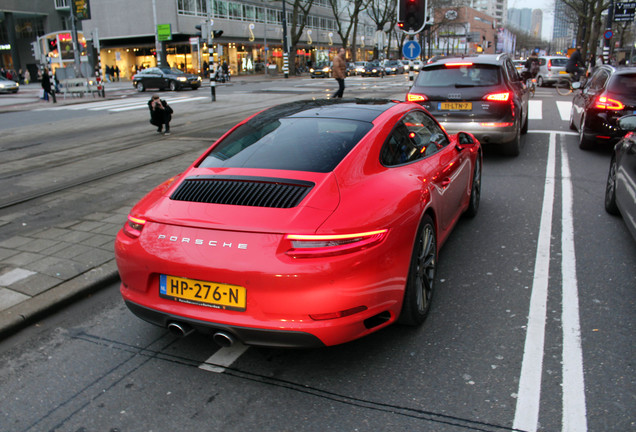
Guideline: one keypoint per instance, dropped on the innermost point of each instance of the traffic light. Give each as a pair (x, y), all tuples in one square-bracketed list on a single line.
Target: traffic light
[(412, 15), (52, 43), (204, 31), (217, 33)]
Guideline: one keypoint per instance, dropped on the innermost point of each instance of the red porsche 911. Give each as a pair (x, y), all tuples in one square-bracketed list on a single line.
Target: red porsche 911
[(309, 224)]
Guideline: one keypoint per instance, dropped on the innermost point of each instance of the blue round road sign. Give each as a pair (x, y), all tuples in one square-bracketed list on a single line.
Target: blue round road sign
[(609, 34), (411, 49)]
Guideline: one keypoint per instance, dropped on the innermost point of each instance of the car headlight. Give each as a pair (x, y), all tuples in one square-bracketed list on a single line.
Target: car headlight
[(311, 70), (326, 69), (182, 79), (198, 78), (374, 70)]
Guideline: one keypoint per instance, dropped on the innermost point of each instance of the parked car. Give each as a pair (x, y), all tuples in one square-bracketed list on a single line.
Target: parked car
[(311, 223), (163, 78), (483, 95), (608, 95), (550, 68), (373, 68), (320, 70), (620, 193), (8, 86)]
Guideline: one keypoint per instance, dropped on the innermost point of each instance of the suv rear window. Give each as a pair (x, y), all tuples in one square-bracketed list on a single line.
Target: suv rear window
[(476, 75), (298, 144), (624, 84)]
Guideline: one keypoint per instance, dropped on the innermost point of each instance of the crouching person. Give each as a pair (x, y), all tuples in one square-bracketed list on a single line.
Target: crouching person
[(160, 114)]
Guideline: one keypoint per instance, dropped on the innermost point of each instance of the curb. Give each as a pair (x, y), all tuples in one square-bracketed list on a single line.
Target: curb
[(21, 315)]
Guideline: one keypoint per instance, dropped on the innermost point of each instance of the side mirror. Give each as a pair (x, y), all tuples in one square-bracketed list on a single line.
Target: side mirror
[(627, 123), (464, 138)]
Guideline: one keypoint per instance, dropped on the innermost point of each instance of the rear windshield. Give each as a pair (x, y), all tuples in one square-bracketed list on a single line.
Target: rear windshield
[(298, 144), (559, 62), (623, 84), (465, 76)]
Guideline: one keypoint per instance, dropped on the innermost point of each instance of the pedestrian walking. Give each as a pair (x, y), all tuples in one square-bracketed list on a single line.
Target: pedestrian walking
[(339, 72), (46, 86), (160, 113)]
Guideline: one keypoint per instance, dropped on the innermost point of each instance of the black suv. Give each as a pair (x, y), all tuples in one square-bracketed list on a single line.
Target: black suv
[(483, 95)]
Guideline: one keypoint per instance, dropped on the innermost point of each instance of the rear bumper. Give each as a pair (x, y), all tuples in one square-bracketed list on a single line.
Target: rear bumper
[(485, 134)]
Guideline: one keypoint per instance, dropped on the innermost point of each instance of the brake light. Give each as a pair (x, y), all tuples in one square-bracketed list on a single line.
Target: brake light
[(133, 226), (498, 97), (416, 97), (549, 65), (313, 246), (459, 64), (603, 102)]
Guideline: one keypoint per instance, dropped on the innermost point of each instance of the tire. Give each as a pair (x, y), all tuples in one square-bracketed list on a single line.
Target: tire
[(195, 87), (475, 191), (173, 86), (540, 81), (563, 87), (610, 189), (584, 143), (418, 292), (141, 87), (572, 125), (513, 148), (524, 128)]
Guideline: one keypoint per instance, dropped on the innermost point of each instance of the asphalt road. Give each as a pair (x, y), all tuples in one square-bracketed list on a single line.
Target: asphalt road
[(532, 325)]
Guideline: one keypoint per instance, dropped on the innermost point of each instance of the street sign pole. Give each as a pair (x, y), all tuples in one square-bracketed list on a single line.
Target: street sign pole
[(608, 44)]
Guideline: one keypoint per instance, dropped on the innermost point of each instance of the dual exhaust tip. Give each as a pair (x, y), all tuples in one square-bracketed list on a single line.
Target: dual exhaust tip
[(221, 338)]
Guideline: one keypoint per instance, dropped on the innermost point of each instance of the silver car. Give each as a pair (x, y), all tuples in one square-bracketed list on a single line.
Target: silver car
[(8, 86), (550, 67)]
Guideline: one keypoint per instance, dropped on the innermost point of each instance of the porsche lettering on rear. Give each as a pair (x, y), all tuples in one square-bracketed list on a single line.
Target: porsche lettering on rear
[(198, 241)]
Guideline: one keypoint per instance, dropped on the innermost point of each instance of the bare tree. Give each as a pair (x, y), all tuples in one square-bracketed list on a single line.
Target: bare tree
[(347, 20), (300, 11), (382, 12), (588, 14)]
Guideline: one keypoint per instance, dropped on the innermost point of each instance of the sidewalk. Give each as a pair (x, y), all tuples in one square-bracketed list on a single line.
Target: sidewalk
[(42, 270)]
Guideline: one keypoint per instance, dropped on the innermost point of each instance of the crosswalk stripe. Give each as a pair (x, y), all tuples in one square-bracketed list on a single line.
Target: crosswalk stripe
[(564, 109), (535, 109), (119, 105)]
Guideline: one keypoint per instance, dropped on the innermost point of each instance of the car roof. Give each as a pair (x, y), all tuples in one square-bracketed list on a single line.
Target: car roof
[(492, 59), (349, 109)]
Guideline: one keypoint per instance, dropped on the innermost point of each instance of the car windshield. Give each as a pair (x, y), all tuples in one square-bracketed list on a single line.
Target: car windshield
[(623, 84), (373, 63), (299, 144), (172, 71), (464, 76), (559, 62)]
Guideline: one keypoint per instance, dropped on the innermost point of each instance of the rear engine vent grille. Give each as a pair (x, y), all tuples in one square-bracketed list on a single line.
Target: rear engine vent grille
[(243, 191)]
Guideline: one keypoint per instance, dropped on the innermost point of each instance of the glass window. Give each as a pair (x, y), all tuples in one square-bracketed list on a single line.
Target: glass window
[(464, 76), (259, 14), (235, 11), (221, 9), (624, 84), (299, 144), (415, 137), (248, 13)]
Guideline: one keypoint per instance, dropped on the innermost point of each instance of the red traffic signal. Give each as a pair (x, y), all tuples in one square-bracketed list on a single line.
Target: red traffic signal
[(412, 15)]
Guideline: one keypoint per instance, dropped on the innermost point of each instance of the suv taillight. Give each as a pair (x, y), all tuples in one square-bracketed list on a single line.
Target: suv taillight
[(603, 102), (498, 97), (411, 97)]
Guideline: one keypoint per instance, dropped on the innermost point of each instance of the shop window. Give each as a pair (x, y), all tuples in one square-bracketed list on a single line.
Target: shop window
[(221, 9)]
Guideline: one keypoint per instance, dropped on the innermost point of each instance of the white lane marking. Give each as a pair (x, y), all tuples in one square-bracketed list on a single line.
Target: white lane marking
[(574, 418), (118, 105), (529, 393), (14, 276), (223, 358), (535, 109), (564, 109), (145, 104)]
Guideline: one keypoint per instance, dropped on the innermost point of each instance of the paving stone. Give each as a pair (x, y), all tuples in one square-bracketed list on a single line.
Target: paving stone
[(15, 242), (87, 226), (59, 268), (77, 236), (94, 257), (51, 233), (73, 250), (109, 229), (99, 216), (6, 253), (36, 284), (98, 240), (10, 298), (22, 259), (37, 245)]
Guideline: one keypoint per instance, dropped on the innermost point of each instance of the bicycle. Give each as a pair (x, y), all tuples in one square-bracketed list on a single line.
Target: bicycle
[(568, 83), (531, 82)]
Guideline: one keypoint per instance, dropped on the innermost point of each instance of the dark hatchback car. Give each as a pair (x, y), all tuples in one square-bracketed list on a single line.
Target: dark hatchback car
[(607, 96), (483, 95), (321, 70), (373, 68), (620, 193), (165, 78)]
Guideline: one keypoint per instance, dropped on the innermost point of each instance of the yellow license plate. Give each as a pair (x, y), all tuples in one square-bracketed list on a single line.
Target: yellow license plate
[(461, 106), (212, 294), (562, 72)]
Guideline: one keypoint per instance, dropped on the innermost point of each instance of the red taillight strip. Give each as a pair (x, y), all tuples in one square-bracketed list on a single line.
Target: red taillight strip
[(498, 97), (459, 64), (603, 102), (416, 97), (315, 245), (133, 226)]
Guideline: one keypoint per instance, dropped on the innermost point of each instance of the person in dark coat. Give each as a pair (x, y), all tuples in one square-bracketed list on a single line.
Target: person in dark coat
[(160, 114), (575, 63), (46, 86)]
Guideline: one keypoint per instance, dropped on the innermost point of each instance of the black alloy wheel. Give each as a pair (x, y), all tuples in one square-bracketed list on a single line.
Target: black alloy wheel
[(475, 191), (584, 143), (173, 86), (610, 189), (418, 293), (141, 87)]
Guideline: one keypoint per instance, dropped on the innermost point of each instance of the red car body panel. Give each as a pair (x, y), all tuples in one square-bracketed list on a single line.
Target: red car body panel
[(246, 246)]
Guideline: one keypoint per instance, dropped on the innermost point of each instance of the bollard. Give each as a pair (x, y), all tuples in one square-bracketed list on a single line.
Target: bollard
[(213, 89)]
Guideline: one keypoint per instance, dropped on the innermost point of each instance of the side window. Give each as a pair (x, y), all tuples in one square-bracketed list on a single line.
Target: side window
[(598, 80), (512, 72), (416, 136)]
